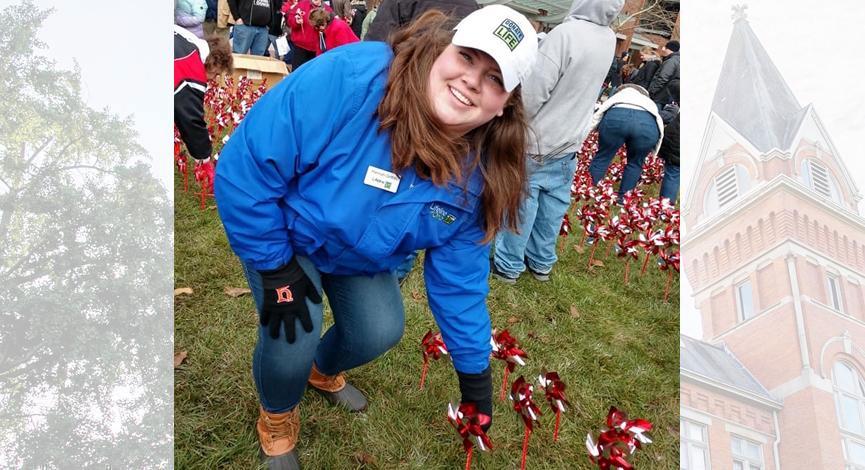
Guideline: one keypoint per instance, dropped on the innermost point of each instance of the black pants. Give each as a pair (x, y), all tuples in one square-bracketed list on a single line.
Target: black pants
[(300, 56)]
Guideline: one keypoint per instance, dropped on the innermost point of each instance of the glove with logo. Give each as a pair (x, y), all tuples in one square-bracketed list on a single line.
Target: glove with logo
[(285, 294), (478, 389)]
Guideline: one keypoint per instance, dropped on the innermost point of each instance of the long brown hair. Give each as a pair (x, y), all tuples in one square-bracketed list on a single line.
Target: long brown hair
[(420, 140)]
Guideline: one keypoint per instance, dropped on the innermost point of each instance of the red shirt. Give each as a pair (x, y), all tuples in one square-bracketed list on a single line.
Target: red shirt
[(337, 33), (303, 35)]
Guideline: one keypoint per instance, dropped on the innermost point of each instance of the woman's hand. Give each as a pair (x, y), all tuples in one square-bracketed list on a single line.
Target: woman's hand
[(285, 294)]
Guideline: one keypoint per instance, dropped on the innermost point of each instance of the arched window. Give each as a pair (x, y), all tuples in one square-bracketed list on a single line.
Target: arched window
[(726, 187), (816, 176), (850, 405)]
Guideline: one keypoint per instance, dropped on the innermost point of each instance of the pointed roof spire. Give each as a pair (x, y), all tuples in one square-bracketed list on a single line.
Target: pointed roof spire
[(739, 12), (752, 96)]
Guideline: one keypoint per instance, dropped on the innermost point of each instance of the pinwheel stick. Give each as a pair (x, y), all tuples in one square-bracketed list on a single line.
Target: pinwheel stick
[(627, 269), (592, 254), (667, 284), (203, 195), (504, 384), (645, 263), (583, 239), (609, 247), (185, 177), (556, 430), (423, 375), (525, 448), (469, 458)]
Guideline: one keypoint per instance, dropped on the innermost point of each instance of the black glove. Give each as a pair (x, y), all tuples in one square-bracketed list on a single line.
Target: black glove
[(285, 293), (478, 389)]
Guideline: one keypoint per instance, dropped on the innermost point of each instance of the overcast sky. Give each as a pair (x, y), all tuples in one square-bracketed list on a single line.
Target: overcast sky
[(125, 51), (815, 46)]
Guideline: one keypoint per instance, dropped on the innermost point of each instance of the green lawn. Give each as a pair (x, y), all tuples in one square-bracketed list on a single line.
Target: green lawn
[(612, 345)]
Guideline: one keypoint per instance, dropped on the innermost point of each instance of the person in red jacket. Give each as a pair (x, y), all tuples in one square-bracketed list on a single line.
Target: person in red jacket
[(303, 35), (332, 31)]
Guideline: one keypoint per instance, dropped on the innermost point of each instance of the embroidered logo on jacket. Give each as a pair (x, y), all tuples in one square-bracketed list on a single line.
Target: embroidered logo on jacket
[(439, 213), (510, 33)]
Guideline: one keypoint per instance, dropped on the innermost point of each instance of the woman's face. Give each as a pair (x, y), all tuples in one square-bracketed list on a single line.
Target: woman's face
[(466, 89), (315, 3)]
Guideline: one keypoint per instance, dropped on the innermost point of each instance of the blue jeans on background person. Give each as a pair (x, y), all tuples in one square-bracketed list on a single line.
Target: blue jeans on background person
[(634, 127), (670, 183), (368, 320), (541, 215), (249, 39)]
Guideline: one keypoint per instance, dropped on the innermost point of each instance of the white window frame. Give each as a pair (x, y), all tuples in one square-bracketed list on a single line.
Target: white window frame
[(741, 305), (690, 446), (834, 292), (748, 463), (848, 436)]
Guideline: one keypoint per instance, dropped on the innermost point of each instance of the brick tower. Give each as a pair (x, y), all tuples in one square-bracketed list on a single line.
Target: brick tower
[(775, 251)]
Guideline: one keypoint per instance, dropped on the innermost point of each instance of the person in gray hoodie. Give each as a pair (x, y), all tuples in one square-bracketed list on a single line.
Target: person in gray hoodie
[(559, 98)]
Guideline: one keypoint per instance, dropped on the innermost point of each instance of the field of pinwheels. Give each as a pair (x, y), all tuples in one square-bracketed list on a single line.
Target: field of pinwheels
[(602, 333)]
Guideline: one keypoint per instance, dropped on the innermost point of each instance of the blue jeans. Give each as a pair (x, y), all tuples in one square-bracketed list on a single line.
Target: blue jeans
[(636, 128), (368, 320), (249, 39), (670, 183), (541, 215)]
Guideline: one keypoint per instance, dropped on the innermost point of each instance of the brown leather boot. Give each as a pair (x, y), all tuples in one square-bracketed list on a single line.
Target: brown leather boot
[(336, 390), (277, 433)]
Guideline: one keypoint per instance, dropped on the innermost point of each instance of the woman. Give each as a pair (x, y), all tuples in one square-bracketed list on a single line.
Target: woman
[(303, 36), (628, 117), (418, 144), (651, 62), (190, 14), (371, 10), (332, 31)]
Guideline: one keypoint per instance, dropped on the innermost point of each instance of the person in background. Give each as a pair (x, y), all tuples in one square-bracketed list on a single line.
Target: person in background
[(358, 16), (191, 74), (224, 20), (667, 74), (559, 97), (210, 18), (252, 19), (304, 36), (628, 73), (190, 14), (648, 67), (324, 189), (394, 14), (628, 117), (372, 10), (332, 31), (669, 151), (275, 30)]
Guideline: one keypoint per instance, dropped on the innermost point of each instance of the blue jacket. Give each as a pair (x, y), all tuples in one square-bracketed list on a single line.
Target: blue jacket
[(290, 180)]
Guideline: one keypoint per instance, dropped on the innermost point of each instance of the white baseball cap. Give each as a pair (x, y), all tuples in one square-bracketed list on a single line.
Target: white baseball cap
[(504, 34)]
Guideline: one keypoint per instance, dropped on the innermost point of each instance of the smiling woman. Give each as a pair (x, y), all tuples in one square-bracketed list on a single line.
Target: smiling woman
[(419, 144)]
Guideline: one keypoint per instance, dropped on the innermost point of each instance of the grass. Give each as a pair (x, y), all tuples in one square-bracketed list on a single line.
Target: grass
[(612, 344)]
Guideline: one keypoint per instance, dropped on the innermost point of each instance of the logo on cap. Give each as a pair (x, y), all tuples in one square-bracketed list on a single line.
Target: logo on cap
[(510, 33)]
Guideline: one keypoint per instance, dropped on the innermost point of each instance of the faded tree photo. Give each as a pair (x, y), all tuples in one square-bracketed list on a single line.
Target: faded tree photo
[(85, 272)]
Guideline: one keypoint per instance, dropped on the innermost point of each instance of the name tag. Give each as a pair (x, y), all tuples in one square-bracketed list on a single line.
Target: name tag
[(381, 179)]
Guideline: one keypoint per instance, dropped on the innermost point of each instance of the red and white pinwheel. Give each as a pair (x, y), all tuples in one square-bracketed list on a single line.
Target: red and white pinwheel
[(506, 348), (433, 347), (466, 420), (618, 441), (668, 261), (521, 394), (554, 392)]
